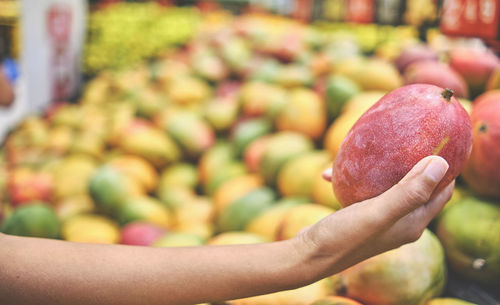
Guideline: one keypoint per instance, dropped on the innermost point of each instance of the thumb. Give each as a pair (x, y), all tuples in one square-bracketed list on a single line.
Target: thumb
[(327, 174), (415, 189)]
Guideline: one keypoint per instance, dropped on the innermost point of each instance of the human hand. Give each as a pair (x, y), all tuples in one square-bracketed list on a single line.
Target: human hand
[(376, 225)]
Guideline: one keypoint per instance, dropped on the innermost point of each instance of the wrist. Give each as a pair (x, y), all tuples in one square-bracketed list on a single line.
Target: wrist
[(312, 264)]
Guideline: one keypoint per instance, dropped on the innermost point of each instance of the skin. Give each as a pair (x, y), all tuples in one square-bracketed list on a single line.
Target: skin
[(6, 92), (40, 271)]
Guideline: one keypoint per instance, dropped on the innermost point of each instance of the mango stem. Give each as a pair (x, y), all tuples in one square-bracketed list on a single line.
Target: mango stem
[(447, 94)]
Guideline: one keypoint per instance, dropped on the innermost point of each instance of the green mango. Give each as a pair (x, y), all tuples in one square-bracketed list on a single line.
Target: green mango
[(34, 219), (267, 71), (151, 143), (295, 75), (213, 160), (238, 214), (143, 208), (249, 130), (191, 132), (179, 174), (339, 90), (470, 233), (108, 189), (225, 173), (236, 52), (283, 147)]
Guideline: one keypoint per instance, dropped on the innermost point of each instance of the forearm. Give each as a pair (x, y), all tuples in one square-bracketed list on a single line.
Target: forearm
[(6, 91), (38, 271)]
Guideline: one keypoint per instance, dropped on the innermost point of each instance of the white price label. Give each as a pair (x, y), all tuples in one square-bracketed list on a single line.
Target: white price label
[(487, 9), (451, 13)]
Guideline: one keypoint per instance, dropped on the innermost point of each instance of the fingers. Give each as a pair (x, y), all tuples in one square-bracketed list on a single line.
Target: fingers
[(415, 189), (437, 202), (327, 174), (410, 228)]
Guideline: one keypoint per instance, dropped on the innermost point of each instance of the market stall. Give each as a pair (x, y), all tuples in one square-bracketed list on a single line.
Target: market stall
[(195, 123)]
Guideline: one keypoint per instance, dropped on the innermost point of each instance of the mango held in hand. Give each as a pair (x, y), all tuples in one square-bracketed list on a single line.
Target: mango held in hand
[(404, 126)]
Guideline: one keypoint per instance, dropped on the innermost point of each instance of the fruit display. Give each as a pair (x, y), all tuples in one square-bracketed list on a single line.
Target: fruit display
[(222, 140), (116, 32)]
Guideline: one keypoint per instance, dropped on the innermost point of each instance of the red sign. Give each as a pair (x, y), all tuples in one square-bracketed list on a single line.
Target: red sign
[(360, 11), (59, 22), (303, 10), (476, 18)]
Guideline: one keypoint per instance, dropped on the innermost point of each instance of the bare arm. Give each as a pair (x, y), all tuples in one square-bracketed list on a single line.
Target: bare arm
[(6, 91), (70, 273), (38, 271)]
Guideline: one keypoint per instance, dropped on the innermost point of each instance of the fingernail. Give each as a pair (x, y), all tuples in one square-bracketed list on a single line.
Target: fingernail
[(436, 169), (327, 174)]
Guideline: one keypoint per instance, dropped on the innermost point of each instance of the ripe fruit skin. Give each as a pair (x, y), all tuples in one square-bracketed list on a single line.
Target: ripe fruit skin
[(107, 187), (71, 176), (260, 99), (239, 213), (310, 165), (413, 54), (470, 233), (322, 193), (339, 89), (481, 171), (371, 74), (178, 239), (140, 234), (403, 127), (34, 219), (181, 174), (299, 217), (254, 151), (26, 185), (144, 208), (193, 134), (351, 112), (448, 301), (234, 189), (304, 113), (300, 296), (90, 228), (494, 80), (246, 131), (274, 156), (409, 275), (475, 65), (141, 172), (145, 140), (236, 238), (335, 300), (268, 222), (213, 159), (436, 73)]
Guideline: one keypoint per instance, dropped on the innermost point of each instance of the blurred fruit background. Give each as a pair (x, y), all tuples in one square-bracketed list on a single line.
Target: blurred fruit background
[(210, 122)]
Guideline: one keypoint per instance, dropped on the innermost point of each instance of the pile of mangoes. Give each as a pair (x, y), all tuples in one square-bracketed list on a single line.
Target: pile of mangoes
[(223, 141), (123, 34)]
